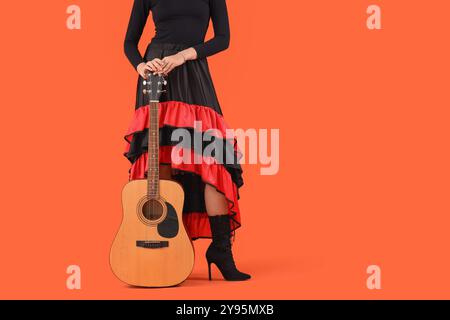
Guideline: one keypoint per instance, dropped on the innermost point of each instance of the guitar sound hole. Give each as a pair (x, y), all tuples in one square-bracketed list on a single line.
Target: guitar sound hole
[(152, 210)]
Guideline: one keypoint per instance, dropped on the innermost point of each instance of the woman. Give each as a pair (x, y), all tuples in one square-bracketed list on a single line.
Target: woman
[(178, 52)]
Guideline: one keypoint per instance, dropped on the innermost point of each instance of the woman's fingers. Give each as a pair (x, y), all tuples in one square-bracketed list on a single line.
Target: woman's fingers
[(144, 72), (152, 66), (159, 62), (171, 68), (165, 61), (168, 67), (149, 67), (161, 66), (156, 64)]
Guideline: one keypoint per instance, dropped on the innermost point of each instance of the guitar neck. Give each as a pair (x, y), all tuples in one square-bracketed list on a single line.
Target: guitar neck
[(153, 150)]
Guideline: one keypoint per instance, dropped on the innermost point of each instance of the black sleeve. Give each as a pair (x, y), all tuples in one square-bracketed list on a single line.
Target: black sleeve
[(136, 25), (221, 40)]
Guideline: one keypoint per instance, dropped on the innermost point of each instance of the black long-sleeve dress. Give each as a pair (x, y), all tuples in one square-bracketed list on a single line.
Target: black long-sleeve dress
[(190, 97), (179, 21)]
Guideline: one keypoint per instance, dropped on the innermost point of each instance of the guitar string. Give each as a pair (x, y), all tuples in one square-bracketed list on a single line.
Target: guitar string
[(153, 146), (150, 205), (152, 183)]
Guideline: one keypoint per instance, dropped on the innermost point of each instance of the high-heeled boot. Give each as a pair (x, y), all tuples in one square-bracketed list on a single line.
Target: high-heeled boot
[(219, 251)]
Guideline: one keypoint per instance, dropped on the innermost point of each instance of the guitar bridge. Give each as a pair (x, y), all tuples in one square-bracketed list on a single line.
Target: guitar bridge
[(151, 244)]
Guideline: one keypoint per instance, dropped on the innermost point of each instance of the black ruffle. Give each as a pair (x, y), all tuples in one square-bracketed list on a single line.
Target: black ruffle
[(139, 145)]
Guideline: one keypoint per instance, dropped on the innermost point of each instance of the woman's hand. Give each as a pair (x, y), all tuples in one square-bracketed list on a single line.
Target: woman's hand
[(154, 66), (172, 61)]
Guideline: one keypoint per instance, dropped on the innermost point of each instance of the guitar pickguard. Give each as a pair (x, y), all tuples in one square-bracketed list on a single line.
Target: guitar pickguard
[(168, 228)]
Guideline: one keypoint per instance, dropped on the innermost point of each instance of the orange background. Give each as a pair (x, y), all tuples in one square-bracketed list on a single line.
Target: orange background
[(364, 172)]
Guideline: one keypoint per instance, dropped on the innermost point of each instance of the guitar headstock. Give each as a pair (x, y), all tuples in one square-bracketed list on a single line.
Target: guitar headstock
[(153, 86)]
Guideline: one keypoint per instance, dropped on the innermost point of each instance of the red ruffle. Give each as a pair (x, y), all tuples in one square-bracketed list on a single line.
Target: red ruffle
[(180, 114), (197, 223)]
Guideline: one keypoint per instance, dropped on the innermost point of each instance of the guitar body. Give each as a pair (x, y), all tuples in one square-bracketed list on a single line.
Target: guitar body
[(152, 247)]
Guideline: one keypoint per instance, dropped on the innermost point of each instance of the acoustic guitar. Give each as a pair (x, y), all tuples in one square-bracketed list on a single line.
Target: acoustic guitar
[(152, 247)]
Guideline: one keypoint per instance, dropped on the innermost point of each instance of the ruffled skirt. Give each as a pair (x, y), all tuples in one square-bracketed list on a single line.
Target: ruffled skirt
[(190, 96)]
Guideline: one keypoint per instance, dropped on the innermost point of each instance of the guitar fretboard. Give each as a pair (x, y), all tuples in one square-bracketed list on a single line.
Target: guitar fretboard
[(153, 150)]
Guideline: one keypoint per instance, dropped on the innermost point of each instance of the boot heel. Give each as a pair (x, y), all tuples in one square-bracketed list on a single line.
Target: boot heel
[(209, 270)]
